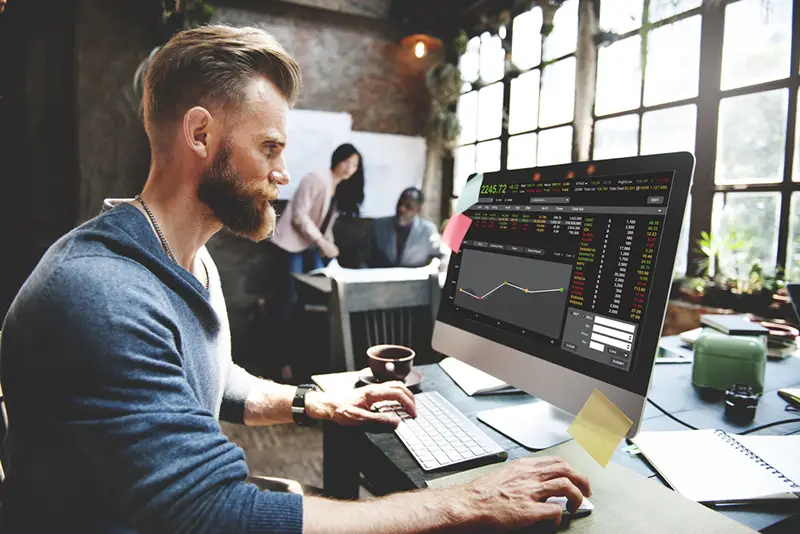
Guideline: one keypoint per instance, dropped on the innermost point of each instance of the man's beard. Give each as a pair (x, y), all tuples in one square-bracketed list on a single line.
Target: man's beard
[(247, 214)]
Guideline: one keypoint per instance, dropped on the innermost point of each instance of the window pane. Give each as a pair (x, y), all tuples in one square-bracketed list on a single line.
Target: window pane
[(619, 76), (524, 107), (490, 111), (488, 156), (793, 254), (616, 138), (470, 60), (669, 130), (796, 161), (752, 137), (661, 9), (558, 93), (555, 146), (752, 220), (468, 117), (526, 46), (463, 166), (673, 72), (681, 258), (757, 42), (621, 16), (564, 38), (492, 58), (522, 151)]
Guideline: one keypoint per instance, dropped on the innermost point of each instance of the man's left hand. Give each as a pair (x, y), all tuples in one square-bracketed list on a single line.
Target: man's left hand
[(354, 407)]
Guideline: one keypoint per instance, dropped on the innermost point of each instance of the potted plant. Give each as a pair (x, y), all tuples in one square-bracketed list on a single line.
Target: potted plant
[(718, 288)]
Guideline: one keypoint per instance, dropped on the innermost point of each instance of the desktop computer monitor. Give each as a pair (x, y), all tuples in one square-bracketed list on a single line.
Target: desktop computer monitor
[(561, 285)]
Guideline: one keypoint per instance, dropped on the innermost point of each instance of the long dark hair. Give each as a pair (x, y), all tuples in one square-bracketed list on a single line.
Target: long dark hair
[(349, 193)]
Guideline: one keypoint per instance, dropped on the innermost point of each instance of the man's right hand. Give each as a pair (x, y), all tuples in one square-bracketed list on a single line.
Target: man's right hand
[(327, 249), (513, 497)]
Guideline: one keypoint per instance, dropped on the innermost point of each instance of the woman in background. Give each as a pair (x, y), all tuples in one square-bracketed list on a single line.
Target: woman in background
[(304, 233), (305, 230)]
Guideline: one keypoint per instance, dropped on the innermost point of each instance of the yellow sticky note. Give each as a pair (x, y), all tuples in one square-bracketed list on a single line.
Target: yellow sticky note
[(599, 427)]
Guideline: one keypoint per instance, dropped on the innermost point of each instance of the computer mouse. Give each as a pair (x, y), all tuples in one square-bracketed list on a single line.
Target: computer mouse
[(585, 508)]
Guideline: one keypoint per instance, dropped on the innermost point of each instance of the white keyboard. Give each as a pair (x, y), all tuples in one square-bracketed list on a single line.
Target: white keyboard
[(440, 435)]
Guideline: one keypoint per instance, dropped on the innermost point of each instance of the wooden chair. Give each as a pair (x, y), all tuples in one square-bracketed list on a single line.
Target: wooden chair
[(367, 313)]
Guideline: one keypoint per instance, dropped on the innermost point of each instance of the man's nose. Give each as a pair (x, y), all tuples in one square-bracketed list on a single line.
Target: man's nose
[(280, 175)]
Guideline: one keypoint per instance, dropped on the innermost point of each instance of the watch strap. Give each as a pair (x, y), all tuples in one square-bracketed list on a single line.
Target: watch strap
[(299, 414)]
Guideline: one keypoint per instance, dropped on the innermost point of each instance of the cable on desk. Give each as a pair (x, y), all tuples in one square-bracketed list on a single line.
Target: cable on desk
[(769, 425), (749, 431), (665, 412)]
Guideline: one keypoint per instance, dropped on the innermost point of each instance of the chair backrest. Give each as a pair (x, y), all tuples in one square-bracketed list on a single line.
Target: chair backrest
[(367, 313)]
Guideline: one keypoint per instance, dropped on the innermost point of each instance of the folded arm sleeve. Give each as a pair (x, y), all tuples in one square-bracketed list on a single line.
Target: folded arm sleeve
[(156, 451), (306, 196), (238, 385)]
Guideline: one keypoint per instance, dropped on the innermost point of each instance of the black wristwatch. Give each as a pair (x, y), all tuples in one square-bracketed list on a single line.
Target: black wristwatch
[(299, 414)]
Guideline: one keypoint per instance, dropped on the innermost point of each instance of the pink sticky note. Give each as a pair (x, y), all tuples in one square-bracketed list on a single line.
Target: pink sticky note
[(455, 231)]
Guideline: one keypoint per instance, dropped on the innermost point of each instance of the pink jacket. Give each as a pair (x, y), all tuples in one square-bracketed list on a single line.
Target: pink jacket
[(299, 225)]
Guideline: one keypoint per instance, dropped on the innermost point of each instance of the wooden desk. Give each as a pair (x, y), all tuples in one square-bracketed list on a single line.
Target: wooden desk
[(385, 462)]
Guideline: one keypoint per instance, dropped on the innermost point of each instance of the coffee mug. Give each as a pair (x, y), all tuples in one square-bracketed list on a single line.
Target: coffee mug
[(390, 362)]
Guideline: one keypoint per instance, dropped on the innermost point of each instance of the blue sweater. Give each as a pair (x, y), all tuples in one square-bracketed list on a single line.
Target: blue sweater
[(112, 384)]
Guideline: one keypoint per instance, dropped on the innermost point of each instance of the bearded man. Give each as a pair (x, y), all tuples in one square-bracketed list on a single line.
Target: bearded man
[(116, 360)]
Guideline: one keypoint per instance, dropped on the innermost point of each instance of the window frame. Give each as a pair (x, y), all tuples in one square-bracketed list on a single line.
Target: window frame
[(707, 102), (710, 96), (508, 77)]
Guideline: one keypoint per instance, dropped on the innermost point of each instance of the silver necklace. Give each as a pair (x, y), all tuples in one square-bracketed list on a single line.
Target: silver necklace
[(163, 239)]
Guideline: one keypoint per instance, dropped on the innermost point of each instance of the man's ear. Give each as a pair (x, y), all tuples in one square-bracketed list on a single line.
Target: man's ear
[(197, 123)]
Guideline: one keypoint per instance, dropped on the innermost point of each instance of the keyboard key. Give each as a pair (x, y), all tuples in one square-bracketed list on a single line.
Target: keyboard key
[(454, 456), (441, 457)]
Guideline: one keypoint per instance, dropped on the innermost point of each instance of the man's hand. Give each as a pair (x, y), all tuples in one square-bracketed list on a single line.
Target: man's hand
[(327, 249), (513, 497), (354, 407)]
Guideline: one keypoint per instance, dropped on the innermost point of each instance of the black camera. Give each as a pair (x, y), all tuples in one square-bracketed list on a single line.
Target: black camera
[(740, 403)]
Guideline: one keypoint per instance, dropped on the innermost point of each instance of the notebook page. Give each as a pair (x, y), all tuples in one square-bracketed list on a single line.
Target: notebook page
[(781, 452), (703, 467)]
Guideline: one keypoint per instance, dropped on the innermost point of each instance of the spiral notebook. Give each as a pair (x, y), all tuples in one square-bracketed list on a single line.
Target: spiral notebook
[(712, 466)]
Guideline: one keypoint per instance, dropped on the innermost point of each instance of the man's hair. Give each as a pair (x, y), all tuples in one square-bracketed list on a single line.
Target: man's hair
[(412, 193), (212, 65)]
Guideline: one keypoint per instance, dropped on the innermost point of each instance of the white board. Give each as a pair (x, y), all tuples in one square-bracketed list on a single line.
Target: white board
[(313, 136), (391, 164)]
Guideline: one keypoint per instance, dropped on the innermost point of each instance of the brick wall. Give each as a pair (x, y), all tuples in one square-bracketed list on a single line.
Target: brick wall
[(348, 66), (111, 39)]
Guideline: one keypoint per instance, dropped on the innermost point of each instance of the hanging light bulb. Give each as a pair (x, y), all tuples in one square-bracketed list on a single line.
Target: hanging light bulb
[(420, 49)]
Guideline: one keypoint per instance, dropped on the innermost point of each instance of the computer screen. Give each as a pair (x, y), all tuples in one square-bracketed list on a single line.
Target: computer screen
[(560, 263)]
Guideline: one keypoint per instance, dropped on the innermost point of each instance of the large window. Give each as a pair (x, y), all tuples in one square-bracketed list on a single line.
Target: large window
[(648, 83), (518, 113), (737, 113), (753, 182)]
